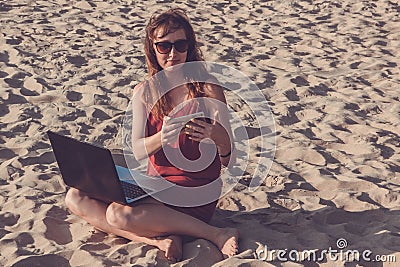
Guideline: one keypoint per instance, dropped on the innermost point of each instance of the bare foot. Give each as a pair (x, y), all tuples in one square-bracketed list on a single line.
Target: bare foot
[(227, 241), (172, 246)]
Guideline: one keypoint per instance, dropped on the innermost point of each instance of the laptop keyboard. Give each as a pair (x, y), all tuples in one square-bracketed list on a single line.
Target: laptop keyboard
[(131, 190)]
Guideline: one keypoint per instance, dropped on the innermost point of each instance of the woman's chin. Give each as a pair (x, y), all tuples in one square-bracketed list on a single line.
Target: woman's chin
[(173, 66)]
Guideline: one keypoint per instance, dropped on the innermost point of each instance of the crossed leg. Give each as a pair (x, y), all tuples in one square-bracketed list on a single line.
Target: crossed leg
[(151, 222)]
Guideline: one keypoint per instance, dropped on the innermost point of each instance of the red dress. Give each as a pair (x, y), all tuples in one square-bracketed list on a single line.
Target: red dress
[(190, 149)]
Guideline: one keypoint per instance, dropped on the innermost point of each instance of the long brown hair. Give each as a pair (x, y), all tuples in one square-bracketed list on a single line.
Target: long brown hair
[(165, 23)]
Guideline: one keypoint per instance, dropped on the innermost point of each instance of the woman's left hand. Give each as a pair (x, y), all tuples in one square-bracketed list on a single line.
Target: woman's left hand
[(198, 130)]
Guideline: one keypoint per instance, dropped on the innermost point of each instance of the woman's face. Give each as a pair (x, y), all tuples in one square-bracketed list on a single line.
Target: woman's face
[(173, 57)]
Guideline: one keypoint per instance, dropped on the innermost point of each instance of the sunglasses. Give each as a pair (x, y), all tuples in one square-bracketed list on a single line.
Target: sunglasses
[(165, 47)]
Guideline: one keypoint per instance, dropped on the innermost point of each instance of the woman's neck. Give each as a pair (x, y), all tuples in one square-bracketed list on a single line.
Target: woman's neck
[(175, 77)]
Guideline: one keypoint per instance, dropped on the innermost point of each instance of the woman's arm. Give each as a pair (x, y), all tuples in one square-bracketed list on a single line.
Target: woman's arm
[(220, 130), (225, 146), (142, 146)]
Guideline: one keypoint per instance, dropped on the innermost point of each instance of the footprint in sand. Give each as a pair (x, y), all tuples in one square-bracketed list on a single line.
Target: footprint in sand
[(45, 158), (201, 253), (43, 260), (74, 96), (8, 219), (78, 61), (24, 239), (6, 154), (56, 228), (15, 99), (14, 83), (2, 73)]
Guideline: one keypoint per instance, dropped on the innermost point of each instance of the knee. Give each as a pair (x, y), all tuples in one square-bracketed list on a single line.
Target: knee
[(73, 199), (117, 216)]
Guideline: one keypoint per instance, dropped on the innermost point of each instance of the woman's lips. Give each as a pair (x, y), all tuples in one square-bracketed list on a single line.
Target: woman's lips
[(173, 62)]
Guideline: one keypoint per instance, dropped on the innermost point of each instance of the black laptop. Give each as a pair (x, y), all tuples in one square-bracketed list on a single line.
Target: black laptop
[(92, 170)]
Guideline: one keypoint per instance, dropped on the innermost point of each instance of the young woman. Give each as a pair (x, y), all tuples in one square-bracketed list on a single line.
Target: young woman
[(170, 41)]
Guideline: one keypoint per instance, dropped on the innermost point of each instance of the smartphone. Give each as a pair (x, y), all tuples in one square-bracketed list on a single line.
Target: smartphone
[(187, 118)]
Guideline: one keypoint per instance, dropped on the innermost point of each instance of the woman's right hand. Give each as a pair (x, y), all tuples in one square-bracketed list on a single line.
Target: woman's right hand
[(170, 131)]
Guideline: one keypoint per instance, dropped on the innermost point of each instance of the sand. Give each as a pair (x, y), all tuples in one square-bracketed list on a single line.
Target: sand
[(328, 69)]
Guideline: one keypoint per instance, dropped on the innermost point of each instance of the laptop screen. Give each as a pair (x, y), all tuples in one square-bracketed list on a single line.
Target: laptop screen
[(87, 167)]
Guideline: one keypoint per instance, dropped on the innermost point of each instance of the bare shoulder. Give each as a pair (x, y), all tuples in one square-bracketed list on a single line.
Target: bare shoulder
[(138, 91), (138, 86), (212, 89)]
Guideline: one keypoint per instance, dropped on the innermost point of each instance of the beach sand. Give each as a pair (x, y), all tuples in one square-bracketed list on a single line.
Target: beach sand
[(328, 69)]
